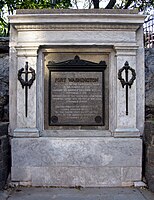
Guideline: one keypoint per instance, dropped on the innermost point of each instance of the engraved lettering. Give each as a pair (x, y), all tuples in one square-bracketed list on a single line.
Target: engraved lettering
[(60, 80), (76, 97), (83, 80)]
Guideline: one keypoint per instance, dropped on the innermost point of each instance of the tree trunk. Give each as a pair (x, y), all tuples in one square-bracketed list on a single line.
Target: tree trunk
[(128, 4), (111, 4), (96, 4)]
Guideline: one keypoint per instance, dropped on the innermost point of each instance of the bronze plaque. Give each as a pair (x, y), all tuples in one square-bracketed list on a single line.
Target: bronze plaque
[(76, 98), (76, 92)]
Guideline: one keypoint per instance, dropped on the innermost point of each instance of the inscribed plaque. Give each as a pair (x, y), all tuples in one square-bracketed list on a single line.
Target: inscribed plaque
[(76, 98)]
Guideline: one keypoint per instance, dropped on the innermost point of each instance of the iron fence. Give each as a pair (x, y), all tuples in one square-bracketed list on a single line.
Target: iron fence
[(149, 32)]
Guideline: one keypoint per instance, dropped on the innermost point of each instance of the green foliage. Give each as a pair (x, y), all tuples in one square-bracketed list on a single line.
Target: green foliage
[(40, 4), (3, 23), (140, 5), (33, 4), (63, 4), (3, 28), (11, 5)]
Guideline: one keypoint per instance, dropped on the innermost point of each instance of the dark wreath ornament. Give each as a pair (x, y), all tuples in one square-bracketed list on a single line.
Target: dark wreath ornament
[(126, 82), (26, 82)]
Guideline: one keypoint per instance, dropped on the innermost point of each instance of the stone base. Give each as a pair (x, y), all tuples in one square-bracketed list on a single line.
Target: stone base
[(86, 162)]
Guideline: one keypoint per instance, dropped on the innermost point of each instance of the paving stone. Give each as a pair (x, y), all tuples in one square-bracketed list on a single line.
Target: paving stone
[(81, 194)]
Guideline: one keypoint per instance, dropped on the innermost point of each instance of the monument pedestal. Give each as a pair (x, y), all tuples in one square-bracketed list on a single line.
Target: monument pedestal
[(77, 161), (76, 97)]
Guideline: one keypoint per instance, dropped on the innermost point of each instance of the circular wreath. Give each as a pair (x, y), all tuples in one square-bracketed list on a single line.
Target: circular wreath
[(22, 81), (124, 82)]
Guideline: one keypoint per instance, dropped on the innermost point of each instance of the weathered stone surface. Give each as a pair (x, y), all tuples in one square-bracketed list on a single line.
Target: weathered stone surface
[(149, 83), (73, 176), (149, 175), (131, 173), (149, 154), (4, 154), (149, 133), (90, 152), (3, 129), (21, 174), (149, 125), (4, 45), (77, 176), (76, 161), (4, 80)]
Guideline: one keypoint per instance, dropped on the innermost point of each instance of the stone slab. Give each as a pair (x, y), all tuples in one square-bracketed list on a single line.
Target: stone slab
[(83, 152), (89, 162), (77, 176)]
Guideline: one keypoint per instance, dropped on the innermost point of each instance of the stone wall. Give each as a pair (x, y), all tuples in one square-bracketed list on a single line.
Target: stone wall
[(4, 80), (4, 154), (149, 83), (4, 111), (148, 138)]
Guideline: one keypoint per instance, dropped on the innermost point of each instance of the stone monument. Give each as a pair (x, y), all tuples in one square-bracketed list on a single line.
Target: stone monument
[(76, 97)]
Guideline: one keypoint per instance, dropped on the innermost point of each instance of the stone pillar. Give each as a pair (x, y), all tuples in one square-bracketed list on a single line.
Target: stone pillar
[(12, 80), (26, 126), (126, 124)]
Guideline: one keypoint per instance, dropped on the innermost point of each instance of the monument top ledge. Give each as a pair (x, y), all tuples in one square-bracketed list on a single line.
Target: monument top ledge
[(74, 16), (76, 11)]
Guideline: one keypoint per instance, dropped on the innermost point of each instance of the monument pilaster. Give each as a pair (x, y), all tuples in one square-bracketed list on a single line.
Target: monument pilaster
[(26, 100), (126, 119)]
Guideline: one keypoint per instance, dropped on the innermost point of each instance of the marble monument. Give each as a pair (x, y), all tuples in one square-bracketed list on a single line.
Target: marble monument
[(76, 97)]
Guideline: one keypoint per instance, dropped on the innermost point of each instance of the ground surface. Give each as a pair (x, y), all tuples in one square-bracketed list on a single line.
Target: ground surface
[(77, 194)]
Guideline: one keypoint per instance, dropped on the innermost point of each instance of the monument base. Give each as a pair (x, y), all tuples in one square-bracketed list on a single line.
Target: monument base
[(77, 161)]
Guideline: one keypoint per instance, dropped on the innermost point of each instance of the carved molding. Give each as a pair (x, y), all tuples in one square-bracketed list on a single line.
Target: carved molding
[(27, 51), (129, 50), (75, 27)]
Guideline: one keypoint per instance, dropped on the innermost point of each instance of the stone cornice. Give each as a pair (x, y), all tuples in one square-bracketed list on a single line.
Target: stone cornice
[(77, 18), (76, 27)]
